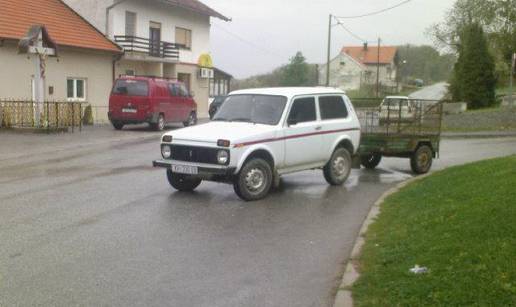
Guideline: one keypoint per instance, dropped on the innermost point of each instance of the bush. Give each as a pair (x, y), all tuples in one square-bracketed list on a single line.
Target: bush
[(87, 118)]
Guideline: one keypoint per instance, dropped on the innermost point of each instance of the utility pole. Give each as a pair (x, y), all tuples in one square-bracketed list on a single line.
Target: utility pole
[(329, 52), (378, 71)]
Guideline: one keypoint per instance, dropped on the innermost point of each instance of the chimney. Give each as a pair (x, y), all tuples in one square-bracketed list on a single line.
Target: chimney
[(365, 46)]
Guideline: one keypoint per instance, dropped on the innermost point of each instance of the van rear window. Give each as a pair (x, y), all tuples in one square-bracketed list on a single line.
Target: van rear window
[(131, 88)]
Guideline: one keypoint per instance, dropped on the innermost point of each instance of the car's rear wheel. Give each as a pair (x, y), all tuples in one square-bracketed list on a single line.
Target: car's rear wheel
[(192, 120), (183, 183), (337, 170), (118, 125), (254, 180), (160, 124), (371, 161), (421, 160)]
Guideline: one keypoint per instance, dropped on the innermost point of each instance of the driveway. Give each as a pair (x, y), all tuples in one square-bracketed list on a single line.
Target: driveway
[(433, 92), (97, 226)]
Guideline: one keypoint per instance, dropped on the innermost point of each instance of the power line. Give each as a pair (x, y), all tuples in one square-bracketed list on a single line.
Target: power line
[(350, 32), (376, 12), (245, 41)]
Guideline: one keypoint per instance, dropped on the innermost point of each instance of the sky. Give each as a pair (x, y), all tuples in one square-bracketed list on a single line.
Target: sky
[(264, 34)]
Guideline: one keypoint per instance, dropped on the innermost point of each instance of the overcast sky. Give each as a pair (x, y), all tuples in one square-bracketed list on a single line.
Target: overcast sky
[(266, 33)]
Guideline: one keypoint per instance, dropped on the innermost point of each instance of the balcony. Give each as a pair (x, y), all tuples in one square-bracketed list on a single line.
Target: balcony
[(158, 49)]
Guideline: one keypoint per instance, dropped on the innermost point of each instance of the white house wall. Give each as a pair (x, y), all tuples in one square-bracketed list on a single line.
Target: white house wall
[(345, 73), (169, 17)]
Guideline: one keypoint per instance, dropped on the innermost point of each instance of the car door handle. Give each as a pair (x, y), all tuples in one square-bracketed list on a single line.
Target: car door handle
[(318, 128)]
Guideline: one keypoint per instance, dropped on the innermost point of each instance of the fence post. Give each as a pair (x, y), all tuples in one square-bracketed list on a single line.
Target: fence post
[(48, 118), (57, 114), (73, 116)]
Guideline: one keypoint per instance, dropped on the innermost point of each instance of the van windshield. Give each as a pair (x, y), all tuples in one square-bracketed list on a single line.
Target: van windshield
[(131, 88), (257, 109)]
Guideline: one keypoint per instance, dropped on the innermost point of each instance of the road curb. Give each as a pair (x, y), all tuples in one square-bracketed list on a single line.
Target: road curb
[(478, 136), (351, 274)]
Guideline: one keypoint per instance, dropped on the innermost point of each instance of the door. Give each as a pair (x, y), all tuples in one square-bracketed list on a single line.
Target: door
[(155, 39), (302, 136), (176, 102)]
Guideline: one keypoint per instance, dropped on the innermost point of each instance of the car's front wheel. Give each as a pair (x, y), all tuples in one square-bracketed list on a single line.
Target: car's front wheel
[(191, 121), (254, 180), (183, 183), (337, 170), (160, 124)]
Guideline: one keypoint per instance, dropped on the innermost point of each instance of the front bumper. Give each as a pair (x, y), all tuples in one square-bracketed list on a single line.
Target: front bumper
[(203, 169)]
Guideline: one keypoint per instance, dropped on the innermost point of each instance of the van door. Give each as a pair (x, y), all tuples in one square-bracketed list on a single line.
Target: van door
[(302, 136), (176, 101)]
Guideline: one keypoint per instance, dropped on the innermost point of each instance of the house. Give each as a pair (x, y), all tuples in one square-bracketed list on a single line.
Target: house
[(165, 38), (357, 66), (81, 72)]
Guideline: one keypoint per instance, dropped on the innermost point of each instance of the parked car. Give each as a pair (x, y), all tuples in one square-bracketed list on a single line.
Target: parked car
[(397, 108), (215, 105), (259, 135), (152, 100)]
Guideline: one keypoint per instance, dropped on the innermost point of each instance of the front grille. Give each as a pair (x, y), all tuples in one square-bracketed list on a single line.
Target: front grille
[(195, 154)]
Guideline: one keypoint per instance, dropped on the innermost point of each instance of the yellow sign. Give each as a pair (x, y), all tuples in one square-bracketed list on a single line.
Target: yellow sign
[(205, 61)]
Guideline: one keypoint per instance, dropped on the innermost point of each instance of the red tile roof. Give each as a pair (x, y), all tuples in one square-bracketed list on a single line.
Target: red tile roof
[(65, 26), (198, 7), (370, 56)]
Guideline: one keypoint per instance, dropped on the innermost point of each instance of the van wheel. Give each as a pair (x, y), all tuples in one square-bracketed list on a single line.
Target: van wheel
[(371, 161), (192, 120), (183, 183), (118, 125), (254, 180), (421, 160), (160, 125), (337, 170)]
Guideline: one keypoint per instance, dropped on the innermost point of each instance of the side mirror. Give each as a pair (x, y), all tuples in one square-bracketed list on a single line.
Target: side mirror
[(292, 122)]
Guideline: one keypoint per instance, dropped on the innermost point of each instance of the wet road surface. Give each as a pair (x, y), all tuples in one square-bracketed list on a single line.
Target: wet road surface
[(432, 92), (99, 226)]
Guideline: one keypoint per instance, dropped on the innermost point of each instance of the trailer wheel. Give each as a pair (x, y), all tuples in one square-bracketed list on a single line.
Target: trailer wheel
[(421, 160), (371, 161)]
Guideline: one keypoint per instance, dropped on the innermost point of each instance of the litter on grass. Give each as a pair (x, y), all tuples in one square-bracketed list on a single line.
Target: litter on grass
[(419, 269)]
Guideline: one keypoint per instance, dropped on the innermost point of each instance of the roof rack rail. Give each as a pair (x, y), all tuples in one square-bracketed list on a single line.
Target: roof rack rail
[(148, 76)]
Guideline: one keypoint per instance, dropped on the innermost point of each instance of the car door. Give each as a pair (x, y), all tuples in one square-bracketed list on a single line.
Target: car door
[(302, 134), (335, 120), (176, 101)]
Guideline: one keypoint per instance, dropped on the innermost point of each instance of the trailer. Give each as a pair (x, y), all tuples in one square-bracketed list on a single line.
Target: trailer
[(400, 127)]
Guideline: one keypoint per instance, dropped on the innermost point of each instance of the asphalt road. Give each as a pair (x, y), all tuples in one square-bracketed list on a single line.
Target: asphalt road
[(97, 226), (432, 92)]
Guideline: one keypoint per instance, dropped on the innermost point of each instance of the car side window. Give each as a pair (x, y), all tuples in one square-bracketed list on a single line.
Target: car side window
[(303, 110), (332, 107), (183, 91), (174, 89)]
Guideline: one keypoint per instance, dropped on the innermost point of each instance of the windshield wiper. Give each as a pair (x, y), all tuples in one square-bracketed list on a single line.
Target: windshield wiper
[(242, 119)]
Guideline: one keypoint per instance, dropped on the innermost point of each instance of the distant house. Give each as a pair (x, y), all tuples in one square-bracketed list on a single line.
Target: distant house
[(83, 70), (357, 66), (165, 38)]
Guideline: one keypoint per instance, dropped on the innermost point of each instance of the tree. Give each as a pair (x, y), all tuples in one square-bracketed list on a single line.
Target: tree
[(424, 62), (497, 17), (474, 79), (296, 72)]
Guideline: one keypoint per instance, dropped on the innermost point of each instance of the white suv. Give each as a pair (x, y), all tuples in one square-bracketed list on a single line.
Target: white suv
[(259, 135)]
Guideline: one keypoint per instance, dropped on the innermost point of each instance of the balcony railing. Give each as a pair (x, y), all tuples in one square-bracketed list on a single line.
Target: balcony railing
[(158, 49)]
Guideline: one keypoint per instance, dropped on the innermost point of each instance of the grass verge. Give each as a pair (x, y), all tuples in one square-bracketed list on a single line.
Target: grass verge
[(461, 224)]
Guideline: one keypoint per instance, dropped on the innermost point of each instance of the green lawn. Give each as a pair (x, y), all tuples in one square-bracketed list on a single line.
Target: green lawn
[(461, 224)]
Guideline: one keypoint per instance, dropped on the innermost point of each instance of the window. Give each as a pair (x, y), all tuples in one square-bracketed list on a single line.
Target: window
[(184, 38), (332, 107), (131, 88), (303, 110), (259, 109), (174, 89), (130, 72), (130, 23), (76, 89)]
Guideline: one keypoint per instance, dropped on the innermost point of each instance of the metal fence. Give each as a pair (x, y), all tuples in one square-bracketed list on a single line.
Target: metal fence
[(399, 117), (53, 114)]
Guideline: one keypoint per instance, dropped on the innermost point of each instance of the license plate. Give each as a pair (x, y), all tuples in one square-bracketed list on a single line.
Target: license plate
[(129, 110), (185, 169)]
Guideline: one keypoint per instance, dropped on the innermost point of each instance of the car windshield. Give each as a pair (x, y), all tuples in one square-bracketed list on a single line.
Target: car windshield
[(131, 88), (258, 109)]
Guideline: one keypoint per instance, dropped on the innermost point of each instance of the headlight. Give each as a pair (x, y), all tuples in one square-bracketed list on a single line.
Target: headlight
[(166, 151), (222, 157)]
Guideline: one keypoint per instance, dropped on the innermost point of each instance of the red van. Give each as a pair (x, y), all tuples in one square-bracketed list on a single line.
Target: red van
[(156, 101)]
